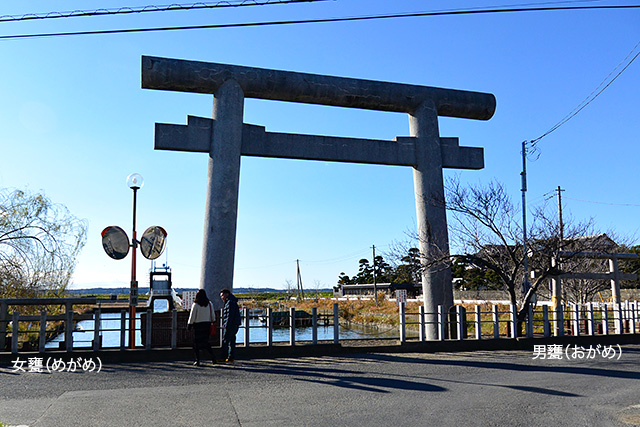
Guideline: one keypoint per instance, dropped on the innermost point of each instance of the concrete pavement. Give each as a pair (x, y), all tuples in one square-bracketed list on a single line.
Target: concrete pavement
[(481, 388)]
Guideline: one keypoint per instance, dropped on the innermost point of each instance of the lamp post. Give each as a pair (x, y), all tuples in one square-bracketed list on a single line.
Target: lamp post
[(116, 244), (135, 182)]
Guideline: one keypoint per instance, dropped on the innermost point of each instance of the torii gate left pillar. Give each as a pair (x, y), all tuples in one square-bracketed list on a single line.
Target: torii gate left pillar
[(226, 139)]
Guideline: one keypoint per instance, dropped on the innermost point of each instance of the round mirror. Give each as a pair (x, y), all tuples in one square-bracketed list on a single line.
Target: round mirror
[(153, 242), (115, 242)]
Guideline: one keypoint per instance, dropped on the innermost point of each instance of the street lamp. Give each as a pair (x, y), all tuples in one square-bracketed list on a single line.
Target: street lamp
[(135, 182), (116, 244)]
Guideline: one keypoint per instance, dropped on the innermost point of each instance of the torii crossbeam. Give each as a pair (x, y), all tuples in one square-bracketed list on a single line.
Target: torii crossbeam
[(226, 138)]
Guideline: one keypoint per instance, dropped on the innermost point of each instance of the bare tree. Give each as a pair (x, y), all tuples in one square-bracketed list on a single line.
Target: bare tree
[(485, 231), (39, 244), (289, 287), (317, 284)]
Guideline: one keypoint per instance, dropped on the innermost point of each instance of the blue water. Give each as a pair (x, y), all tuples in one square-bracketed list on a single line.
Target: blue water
[(110, 325)]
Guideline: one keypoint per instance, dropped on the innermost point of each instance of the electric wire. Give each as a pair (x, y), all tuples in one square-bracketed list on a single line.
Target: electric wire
[(592, 96), (325, 261), (340, 258), (602, 203), (318, 20), (188, 6), (146, 9), (264, 267)]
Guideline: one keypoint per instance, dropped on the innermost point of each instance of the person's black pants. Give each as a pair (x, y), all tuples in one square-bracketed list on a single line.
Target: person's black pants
[(229, 343), (201, 339)]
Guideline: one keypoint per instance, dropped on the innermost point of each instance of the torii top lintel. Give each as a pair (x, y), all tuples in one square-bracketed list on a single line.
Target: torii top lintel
[(206, 77)]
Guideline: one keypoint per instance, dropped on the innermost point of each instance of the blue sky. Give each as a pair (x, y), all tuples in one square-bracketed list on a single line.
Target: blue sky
[(74, 123)]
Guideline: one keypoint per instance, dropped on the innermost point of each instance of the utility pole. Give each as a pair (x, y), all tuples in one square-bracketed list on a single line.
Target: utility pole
[(560, 223), (299, 281), (525, 284), (556, 282), (375, 284)]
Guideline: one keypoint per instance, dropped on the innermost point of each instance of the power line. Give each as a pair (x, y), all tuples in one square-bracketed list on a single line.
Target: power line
[(602, 203), (174, 7), (340, 258), (145, 9), (264, 267), (325, 261), (529, 148), (319, 20), (592, 96)]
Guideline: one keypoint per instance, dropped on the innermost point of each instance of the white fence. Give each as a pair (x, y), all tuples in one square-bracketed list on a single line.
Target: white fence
[(469, 322)]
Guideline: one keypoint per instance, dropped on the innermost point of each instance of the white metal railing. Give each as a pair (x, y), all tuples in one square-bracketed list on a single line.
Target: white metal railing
[(576, 319), (478, 322)]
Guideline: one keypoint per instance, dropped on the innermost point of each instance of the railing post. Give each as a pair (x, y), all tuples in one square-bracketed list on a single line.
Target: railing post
[(336, 324), (545, 321), (633, 316), (147, 343), (68, 327), (174, 329), (15, 331), (617, 316), (459, 322), (496, 321), (403, 319), (245, 313), (97, 315), (269, 327), (442, 322), (513, 325), (559, 317), (292, 326), (123, 329), (530, 321), (42, 338), (314, 325), (4, 317), (421, 323), (590, 321), (625, 317), (605, 320), (478, 322), (576, 320)]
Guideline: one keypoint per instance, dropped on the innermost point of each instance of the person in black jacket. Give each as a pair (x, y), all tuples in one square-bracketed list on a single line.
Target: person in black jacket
[(230, 322)]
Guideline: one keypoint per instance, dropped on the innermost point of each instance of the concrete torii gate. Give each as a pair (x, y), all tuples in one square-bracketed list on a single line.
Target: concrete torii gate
[(226, 139), (614, 276)]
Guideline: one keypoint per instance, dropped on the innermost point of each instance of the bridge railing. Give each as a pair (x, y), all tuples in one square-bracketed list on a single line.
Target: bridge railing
[(462, 322), (499, 321)]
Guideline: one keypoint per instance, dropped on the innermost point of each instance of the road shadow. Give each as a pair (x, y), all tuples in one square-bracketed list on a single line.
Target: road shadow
[(539, 390), (347, 378), (503, 365), (343, 378)]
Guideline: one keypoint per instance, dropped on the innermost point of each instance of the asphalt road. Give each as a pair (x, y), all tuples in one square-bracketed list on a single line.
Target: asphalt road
[(496, 388)]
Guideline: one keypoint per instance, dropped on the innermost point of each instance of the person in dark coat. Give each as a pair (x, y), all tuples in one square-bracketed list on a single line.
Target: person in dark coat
[(230, 323), (200, 320)]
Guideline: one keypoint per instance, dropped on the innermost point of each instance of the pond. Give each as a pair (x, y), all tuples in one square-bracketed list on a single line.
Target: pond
[(110, 332)]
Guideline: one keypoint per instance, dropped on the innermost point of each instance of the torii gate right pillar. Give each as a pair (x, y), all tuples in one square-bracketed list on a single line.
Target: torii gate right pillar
[(431, 214)]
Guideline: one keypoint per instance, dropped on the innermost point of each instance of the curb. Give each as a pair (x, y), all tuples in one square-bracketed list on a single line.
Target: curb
[(280, 350)]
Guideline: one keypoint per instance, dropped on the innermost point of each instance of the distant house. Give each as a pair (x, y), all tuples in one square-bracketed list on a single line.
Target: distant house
[(593, 243), (366, 289)]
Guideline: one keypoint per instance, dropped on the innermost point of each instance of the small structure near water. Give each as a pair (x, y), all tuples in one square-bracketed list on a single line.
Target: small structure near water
[(281, 319), (160, 287), (367, 289)]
